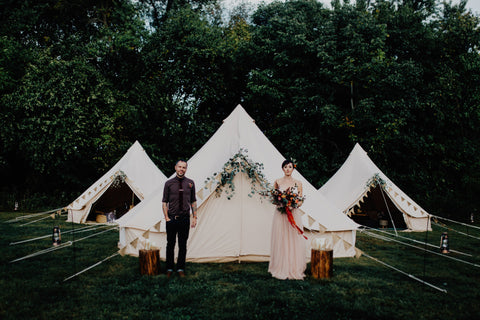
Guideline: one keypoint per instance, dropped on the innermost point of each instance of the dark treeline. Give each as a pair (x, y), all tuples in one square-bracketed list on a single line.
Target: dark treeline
[(81, 80)]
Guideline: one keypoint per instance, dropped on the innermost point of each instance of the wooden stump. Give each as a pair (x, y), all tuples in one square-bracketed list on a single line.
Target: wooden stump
[(322, 264), (149, 261)]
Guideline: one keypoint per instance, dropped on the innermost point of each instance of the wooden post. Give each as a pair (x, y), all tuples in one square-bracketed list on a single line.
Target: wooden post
[(322, 264), (149, 261)]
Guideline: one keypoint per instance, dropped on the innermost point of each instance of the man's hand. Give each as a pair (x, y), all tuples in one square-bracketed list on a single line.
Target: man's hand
[(194, 222)]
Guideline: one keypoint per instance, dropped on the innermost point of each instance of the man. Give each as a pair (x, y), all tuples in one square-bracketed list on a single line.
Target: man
[(178, 199)]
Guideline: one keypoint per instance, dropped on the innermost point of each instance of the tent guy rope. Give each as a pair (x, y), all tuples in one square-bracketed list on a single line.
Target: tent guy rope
[(22, 225), (31, 215), (464, 224), (417, 241), (61, 246), (454, 230), (420, 248), (92, 266), (84, 229), (405, 273)]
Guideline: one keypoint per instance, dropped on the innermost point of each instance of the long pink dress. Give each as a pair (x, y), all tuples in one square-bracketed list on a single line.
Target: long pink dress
[(288, 252)]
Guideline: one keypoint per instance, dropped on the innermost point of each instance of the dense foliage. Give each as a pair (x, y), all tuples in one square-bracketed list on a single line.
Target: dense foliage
[(81, 80)]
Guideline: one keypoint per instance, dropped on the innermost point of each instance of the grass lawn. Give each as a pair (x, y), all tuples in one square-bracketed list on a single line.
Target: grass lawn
[(361, 288)]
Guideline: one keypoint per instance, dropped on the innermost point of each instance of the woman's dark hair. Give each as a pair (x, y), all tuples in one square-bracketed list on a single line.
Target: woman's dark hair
[(284, 163)]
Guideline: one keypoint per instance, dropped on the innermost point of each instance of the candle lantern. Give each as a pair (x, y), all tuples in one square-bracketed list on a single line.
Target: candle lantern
[(56, 237), (444, 247)]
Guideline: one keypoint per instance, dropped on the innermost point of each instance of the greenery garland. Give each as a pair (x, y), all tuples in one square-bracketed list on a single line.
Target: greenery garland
[(236, 164), (118, 178), (376, 180)]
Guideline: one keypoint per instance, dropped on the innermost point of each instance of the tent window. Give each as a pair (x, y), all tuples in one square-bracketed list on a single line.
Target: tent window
[(119, 198), (373, 210)]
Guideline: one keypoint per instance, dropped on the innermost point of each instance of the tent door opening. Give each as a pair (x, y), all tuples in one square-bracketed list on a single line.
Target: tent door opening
[(373, 212), (113, 204)]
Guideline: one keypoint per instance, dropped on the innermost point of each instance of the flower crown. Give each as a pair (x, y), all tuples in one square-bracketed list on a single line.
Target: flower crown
[(294, 162)]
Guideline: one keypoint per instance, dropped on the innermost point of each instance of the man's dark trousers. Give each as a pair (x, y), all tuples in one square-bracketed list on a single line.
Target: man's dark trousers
[(180, 227)]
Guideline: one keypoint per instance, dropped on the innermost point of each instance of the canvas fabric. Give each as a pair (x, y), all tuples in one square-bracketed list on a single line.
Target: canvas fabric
[(142, 176), (349, 185), (239, 228)]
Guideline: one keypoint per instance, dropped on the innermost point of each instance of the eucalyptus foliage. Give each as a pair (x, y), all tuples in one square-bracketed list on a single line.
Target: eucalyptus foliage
[(239, 163)]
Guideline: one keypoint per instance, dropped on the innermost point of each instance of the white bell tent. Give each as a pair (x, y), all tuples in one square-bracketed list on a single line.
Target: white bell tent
[(356, 188), (235, 226), (128, 182)]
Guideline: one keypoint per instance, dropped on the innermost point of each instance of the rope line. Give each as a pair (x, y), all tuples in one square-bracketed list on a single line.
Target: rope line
[(84, 229), (31, 215), (465, 224), (61, 246), (22, 225), (451, 229), (430, 251), (405, 273), (92, 266), (419, 242)]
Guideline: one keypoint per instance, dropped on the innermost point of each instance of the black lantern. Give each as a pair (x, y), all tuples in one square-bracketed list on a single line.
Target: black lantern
[(56, 237), (444, 248)]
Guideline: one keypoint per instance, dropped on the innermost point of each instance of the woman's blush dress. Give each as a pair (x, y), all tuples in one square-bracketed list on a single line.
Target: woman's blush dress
[(288, 252)]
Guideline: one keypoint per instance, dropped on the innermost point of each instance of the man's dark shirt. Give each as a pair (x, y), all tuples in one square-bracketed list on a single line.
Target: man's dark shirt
[(171, 196)]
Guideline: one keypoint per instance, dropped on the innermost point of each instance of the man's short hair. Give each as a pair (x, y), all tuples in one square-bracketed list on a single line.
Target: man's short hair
[(180, 160)]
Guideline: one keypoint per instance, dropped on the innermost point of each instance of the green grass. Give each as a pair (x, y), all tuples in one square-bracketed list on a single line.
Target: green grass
[(360, 288)]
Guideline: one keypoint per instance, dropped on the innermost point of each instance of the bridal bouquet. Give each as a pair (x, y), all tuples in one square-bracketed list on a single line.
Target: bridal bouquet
[(285, 199)]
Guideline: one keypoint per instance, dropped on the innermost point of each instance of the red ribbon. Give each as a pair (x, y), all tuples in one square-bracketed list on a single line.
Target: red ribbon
[(292, 221)]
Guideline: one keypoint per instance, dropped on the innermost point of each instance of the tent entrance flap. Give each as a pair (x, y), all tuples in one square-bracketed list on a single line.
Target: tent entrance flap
[(118, 198), (372, 211)]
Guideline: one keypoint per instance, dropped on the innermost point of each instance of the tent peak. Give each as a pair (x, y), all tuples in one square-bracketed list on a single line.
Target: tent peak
[(238, 114)]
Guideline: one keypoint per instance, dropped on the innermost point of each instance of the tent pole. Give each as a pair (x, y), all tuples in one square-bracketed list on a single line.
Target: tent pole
[(425, 251), (388, 209)]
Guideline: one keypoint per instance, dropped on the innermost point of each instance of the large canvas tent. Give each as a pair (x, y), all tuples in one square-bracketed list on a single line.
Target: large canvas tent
[(235, 227), (368, 196), (128, 182)]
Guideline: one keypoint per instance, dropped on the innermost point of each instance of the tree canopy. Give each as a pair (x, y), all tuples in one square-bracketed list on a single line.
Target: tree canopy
[(82, 80)]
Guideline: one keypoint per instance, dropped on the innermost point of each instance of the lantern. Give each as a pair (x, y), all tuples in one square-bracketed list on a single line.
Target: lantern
[(444, 243), (56, 237)]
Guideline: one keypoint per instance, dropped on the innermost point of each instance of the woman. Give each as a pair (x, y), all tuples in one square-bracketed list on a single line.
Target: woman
[(288, 252)]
